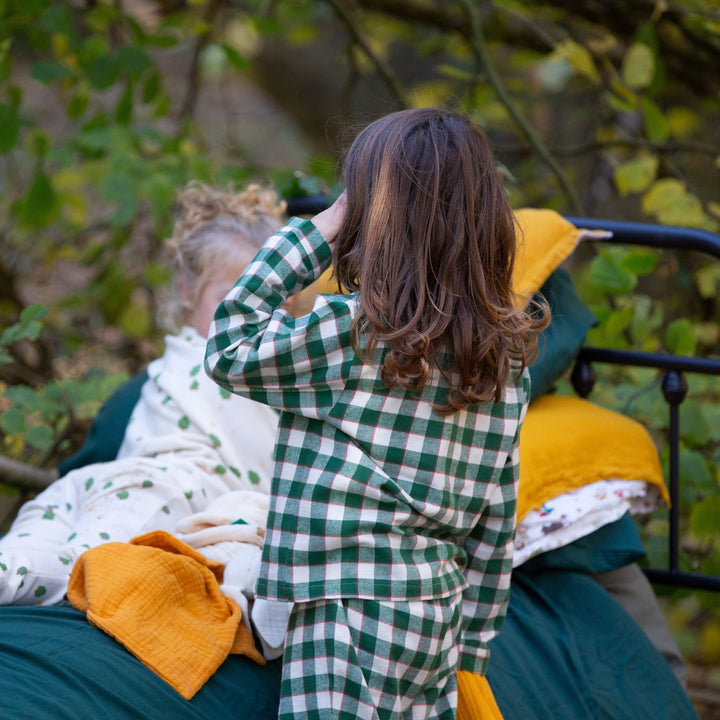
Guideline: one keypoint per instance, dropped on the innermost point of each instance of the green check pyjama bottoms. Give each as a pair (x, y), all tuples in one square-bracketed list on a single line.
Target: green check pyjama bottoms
[(371, 660)]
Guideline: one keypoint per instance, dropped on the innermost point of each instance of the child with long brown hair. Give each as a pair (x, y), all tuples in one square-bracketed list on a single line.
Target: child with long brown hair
[(393, 501)]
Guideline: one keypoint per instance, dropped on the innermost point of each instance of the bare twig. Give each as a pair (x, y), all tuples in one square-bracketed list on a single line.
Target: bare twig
[(670, 147), (192, 89), (395, 86)]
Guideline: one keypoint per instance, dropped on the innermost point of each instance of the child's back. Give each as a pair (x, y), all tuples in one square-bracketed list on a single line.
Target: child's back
[(392, 514)]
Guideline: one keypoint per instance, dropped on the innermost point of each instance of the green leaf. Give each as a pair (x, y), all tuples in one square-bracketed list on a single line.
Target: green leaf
[(95, 139), (680, 337), (40, 436), (694, 474), (56, 19), (705, 517), (640, 262), (41, 205), (151, 87), (50, 71), (695, 428), (647, 319), (9, 128), (237, 60), (160, 191), (78, 104), (618, 321), (103, 71), (638, 66), (656, 126), (124, 108), (120, 189), (133, 61), (637, 174), (28, 328), (608, 275), (12, 421)]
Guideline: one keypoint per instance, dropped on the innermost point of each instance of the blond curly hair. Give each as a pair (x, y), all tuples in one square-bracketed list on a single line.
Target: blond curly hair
[(213, 229)]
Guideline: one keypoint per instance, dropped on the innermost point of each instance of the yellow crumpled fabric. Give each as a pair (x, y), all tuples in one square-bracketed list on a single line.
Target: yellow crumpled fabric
[(161, 599), (568, 442)]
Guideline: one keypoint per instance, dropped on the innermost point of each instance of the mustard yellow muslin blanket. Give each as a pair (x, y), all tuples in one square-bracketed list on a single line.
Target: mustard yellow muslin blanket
[(567, 442), (161, 599)]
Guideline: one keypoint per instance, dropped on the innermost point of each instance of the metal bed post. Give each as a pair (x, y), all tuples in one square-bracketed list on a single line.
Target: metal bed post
[(674, 389)]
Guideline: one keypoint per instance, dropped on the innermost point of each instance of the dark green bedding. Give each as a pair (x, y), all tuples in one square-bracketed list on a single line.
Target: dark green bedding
[(54, 665), (568, 652)]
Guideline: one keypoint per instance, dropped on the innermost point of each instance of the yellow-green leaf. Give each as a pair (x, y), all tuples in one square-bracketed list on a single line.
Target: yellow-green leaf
[(9, 127), (682, 122), (708, 280), (638, 67), (579, 57), (636, 175), (704, 517), (663, 192), (680, 337), (670, 201), (430, 94)]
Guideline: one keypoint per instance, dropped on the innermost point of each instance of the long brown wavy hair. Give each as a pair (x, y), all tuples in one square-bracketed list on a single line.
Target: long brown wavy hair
[(429, 242)]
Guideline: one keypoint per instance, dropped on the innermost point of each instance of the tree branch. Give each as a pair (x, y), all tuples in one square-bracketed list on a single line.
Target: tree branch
[(682, 55), (668, 148), (187, 109), (484, 63), (395, 86), (24, 476)]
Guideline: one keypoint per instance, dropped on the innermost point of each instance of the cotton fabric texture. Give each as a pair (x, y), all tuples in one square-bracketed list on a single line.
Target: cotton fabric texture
[(188, 442), (582, 467), (161, 599), (375, 496)]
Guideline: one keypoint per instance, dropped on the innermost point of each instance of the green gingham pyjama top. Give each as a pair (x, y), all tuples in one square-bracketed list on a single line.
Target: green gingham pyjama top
[(374, 494)]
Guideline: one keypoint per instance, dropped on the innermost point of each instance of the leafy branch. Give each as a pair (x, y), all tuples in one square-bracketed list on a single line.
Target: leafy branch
[(485, 65), (383, 70), (669, 147)]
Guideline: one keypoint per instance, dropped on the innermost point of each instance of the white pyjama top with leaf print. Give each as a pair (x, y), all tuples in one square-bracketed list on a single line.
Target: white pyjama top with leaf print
[(188, 442)]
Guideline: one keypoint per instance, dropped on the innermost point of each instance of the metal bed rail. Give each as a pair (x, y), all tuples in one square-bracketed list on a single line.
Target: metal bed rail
[(674, 385)]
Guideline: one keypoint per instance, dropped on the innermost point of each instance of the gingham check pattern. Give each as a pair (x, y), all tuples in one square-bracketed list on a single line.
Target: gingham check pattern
[(374, 494), (354, 659)]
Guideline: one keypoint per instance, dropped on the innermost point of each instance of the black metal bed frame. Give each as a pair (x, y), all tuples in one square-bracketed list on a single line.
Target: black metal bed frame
[(674, 385)]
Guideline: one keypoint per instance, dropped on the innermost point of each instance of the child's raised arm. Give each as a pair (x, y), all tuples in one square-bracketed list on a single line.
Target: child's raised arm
[(257, 349), (329, 221)]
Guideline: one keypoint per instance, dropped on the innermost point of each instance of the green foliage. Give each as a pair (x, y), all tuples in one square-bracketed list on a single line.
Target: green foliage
[(619, 285), (27, 328)]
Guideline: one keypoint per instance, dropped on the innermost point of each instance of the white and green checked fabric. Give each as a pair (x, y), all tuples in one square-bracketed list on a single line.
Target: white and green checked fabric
[(353, 659), (374, 494)]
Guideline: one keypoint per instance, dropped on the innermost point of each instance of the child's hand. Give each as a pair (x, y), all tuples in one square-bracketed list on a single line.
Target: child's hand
[(328, 221)]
